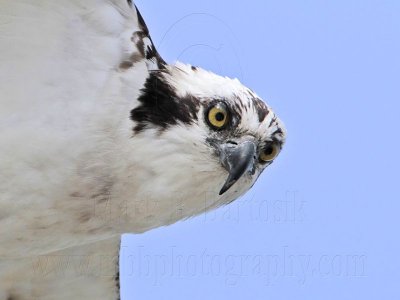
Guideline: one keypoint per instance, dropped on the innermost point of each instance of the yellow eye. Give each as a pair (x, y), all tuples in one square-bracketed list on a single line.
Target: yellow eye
[(218, 116), (269, 152)]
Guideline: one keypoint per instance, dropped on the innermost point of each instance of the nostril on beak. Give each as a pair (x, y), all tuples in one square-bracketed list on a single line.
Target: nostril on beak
[(237, 159)]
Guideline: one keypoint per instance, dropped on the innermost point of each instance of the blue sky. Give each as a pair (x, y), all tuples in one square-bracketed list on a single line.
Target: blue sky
[(322, 222)]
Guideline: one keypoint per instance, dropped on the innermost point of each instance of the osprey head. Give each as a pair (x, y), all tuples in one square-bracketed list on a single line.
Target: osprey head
[(203, 133)]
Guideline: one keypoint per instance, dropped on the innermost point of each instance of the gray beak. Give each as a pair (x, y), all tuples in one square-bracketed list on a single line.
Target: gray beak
[(236, 159)]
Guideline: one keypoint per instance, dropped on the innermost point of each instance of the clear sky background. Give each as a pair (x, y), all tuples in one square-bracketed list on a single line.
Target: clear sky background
[(323, 221)]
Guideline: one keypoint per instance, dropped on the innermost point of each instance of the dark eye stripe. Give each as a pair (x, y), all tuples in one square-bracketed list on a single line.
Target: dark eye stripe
[(273, 120)]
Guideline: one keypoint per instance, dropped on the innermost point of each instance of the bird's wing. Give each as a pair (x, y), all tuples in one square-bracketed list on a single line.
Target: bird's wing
[(59, 62), (83, 272), (60, 55)]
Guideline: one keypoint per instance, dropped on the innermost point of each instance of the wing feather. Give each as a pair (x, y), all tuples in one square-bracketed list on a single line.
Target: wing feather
[(61, 64)]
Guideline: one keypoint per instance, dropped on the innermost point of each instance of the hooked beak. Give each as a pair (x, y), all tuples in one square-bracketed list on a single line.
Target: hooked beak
[(236, 159)]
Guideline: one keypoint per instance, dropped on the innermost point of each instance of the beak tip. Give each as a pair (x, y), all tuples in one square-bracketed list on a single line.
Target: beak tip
[(227, 185)]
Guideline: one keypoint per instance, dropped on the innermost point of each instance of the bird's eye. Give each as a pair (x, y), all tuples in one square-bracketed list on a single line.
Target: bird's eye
[(269, 152), (218, 116)]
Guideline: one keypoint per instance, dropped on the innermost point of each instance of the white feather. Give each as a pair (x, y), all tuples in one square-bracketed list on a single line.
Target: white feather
[(71, 172)]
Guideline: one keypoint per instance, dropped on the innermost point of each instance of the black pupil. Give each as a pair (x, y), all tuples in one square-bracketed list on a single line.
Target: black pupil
[(219, 116), (268, 150)]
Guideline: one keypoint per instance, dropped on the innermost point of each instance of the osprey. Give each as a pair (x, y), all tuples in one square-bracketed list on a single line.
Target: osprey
[(100, 136)]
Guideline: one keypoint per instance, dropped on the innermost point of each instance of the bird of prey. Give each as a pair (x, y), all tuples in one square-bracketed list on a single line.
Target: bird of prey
[(100, 136)]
